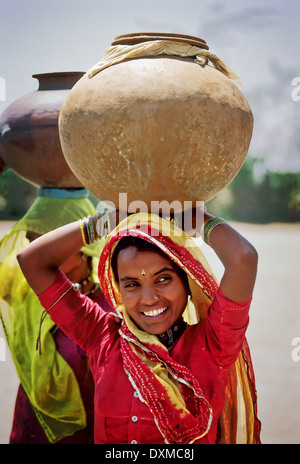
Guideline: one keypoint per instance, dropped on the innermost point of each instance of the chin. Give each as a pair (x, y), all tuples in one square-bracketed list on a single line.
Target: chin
[(160, 329)]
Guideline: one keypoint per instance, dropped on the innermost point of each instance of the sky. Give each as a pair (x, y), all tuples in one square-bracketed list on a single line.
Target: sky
[(258, 39)]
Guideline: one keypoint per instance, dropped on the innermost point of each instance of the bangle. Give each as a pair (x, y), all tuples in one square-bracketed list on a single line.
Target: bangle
[(103, 228), (82, 232), (209, 226), (87, 230), (91, 229)]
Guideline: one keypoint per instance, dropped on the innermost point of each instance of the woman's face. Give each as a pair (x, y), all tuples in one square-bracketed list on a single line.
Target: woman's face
[(152, 291)]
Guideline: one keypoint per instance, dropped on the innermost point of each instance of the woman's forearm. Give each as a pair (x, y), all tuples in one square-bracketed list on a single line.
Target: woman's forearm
[(239, 258), (41, 259)]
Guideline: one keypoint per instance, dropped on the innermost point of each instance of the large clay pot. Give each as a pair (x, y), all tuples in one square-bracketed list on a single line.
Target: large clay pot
[(157, 128), (29, 142)]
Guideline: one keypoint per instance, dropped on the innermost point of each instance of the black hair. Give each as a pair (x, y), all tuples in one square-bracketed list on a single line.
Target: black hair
[(143, 245)]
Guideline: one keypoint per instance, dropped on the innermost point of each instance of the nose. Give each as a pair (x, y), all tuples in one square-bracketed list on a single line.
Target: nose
[(149, 295)]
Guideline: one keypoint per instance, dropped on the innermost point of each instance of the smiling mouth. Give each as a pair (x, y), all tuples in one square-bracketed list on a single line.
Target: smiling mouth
[(155, 312)]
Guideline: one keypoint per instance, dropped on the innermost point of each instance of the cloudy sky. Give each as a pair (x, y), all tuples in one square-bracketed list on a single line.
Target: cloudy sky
[(258, 39)]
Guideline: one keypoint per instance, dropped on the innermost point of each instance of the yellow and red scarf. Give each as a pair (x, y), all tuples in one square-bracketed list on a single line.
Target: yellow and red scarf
[(162, 383)]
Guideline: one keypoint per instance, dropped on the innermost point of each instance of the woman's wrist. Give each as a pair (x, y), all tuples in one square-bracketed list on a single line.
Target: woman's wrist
[(89, 229), (94, 227), (210, 222)]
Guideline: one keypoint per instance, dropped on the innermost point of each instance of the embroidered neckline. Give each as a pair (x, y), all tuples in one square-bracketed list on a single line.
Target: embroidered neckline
[(169, 337)]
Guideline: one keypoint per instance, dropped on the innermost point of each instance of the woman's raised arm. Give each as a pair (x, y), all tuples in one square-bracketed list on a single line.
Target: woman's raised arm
[(239, 258), (41, 259)]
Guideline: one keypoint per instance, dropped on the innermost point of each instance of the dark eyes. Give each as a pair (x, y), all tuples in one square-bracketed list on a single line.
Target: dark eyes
[(162, 280), (131, 285)]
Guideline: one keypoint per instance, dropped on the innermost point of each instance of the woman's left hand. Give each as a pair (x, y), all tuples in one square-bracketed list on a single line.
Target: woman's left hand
[(191, 220)]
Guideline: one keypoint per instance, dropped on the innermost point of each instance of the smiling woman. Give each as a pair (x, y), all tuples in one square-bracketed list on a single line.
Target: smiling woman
[(153, 288), (166, 370)]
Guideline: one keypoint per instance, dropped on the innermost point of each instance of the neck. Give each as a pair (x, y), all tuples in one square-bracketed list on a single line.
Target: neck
[(169, 337)]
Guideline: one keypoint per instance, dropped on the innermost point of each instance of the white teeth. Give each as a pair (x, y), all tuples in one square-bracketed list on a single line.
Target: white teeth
[(156, 312)]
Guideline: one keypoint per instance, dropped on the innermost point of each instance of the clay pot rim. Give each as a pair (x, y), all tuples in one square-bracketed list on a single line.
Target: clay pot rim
[(49, 81), (138, 37)]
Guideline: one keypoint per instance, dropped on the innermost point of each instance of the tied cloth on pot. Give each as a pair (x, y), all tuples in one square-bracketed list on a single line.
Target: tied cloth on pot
[(118, 53), (158, 379), (48, 380)]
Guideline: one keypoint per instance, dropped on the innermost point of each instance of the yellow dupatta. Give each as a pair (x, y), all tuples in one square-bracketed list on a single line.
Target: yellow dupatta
[(238, 422)]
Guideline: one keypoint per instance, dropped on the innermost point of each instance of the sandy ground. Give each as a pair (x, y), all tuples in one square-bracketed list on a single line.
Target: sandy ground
[(274, 326)]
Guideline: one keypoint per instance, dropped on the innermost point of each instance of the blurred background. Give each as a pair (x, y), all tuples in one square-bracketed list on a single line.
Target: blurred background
[(259, 40)]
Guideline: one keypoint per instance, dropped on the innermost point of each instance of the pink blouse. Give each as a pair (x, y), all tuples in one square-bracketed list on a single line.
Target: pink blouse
[(208, 349)]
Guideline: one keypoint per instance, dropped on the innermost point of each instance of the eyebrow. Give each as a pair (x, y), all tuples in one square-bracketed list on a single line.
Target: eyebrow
[(164, 269)]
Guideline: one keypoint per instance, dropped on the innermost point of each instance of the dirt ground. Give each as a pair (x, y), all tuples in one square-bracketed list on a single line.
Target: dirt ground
[(274, 327)]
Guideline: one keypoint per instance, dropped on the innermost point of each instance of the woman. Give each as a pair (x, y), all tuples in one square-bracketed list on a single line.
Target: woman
[(46, 410), (158, 380)]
